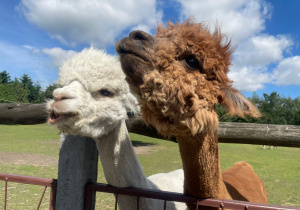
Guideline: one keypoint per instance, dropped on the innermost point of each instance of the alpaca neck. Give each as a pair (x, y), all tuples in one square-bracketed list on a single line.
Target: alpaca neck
[(201, 165), (120, 164)]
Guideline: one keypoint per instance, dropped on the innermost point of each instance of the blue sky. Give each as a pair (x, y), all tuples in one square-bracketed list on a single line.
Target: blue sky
[(37, 36)]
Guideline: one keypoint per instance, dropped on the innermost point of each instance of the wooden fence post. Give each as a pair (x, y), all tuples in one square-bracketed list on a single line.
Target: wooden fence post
[(78, 164)]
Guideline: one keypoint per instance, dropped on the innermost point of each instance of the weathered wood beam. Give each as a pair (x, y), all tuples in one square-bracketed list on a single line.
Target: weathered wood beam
[(242, 133), (26, 114), (262, 134)]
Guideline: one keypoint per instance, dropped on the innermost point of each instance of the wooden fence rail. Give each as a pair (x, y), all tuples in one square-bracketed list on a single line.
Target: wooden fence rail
[(243, 133)]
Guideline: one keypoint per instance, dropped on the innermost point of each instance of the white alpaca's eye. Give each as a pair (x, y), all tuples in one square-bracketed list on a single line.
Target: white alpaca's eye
[(105, 92)]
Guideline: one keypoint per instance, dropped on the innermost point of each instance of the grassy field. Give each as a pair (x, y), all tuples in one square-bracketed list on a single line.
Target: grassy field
[(33, 151)]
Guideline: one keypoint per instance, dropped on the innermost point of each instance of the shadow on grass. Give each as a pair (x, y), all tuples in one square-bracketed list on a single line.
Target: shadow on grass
[(136, 143)]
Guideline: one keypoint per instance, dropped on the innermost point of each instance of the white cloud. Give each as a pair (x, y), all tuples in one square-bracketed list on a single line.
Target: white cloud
[(59, 55), (240, 19), (252, 58), (288, 71), (249, 78), (97, 22), (259, 51), (28, 47)]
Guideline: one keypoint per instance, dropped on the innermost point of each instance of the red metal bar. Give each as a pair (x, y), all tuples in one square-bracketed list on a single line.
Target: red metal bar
[(26, 179), (46, 182), (89, 189), (240, 205), (116, 203), (178, 197), (5, 196), (53, 195), (42, 198), (138, 202)]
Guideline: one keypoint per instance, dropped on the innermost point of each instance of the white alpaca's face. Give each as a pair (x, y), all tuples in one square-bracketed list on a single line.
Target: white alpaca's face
[(92, 97)]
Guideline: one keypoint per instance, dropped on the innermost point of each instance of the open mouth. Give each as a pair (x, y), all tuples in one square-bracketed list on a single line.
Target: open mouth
[(56, 117)]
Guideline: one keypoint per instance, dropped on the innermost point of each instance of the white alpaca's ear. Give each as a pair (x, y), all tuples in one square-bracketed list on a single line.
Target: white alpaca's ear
[(131, 104), (237, 104)]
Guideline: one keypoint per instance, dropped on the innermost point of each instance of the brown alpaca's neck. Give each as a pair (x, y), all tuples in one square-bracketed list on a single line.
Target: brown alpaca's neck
[(201, 165)]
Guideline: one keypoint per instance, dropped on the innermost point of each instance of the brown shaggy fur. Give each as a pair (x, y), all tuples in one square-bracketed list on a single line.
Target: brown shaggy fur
[(179, 75)]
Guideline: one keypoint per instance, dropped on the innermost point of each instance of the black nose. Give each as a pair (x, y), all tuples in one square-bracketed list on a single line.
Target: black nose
[(140, 35)]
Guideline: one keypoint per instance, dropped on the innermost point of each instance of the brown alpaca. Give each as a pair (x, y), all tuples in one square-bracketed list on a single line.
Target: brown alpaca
[(179, 75)]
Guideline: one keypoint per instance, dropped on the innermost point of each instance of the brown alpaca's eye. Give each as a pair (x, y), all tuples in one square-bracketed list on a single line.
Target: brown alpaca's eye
[(105, 92), (191, 62)]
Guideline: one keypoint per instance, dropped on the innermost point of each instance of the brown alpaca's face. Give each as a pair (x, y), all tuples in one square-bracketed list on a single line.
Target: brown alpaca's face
[(178, 75)]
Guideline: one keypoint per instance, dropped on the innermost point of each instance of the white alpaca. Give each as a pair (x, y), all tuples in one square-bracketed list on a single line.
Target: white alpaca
[(92, 101)]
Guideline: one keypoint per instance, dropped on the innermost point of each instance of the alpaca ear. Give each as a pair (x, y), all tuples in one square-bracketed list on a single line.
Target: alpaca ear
[(131, 104), (237, 104)]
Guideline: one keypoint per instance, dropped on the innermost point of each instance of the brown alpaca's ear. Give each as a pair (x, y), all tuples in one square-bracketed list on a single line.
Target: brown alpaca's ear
[(237, 104)]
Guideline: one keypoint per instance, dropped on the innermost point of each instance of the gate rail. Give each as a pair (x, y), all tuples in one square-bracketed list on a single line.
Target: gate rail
[(177, 197), (46, 182)]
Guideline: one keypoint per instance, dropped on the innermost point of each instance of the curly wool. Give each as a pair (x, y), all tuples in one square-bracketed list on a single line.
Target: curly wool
[(170, 103)]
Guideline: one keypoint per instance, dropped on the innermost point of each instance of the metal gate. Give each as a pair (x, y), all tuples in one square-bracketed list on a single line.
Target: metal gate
[(46, 182)]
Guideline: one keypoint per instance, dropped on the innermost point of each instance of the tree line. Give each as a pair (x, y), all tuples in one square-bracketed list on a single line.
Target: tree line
[(22, 90), (275, 109)]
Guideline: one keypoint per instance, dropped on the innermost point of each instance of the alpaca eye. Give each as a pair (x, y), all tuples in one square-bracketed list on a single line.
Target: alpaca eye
[(192, 62), (105, 92)]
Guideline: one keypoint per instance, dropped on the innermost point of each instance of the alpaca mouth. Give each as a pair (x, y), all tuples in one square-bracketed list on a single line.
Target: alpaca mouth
[(56, 117), (135, 60), (130, 47)]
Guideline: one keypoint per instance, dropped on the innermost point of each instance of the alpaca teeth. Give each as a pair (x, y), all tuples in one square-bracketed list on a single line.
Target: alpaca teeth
[(54, 114)]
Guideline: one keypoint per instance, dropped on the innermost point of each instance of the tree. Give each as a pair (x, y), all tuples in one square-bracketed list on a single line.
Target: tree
[(20, 93), (275, 109), (13, 92), (34, 89), (49, 91), (4, 77), (23, 90)]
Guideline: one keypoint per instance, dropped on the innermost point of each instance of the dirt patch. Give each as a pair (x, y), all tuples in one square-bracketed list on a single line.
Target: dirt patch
[(145, 149), (16, 158)]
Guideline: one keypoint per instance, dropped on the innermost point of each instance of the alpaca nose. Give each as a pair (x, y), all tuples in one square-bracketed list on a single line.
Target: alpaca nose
[(141, 35), (59, 96)]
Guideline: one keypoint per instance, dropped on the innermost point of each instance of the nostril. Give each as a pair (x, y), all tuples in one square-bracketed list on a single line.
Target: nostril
[(61, 97), (140, 35)]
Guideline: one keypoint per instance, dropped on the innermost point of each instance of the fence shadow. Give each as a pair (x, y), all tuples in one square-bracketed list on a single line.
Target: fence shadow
[(137, 143)]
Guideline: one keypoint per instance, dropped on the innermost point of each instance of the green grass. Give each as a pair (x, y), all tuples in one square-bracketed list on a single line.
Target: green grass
[(279, 169), (32, 139)]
